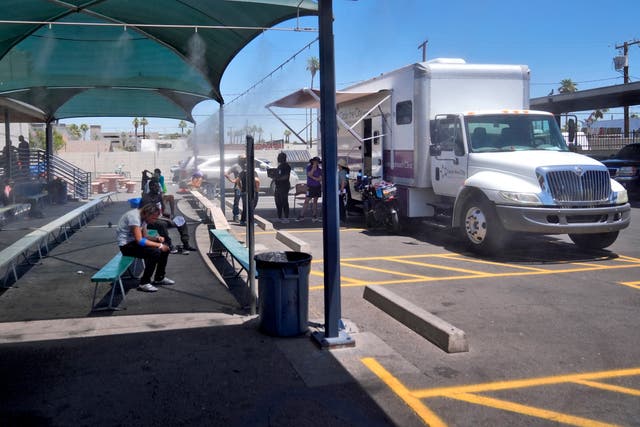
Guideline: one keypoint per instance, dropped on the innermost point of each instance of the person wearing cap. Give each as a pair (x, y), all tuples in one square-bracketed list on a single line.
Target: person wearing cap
[(162, 224), (343, 188), (196, 180), (314, 188)]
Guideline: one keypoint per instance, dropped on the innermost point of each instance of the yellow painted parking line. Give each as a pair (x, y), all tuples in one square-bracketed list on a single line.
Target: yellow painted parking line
[(343, 279), (440, 267), (498, 264), (635, 285), (469, 394), (628, 258), (609, 387), (518, 408), (403, 393), (380, 270), (531, 382)]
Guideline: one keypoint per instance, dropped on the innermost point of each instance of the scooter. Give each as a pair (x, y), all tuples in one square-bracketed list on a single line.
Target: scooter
[(379, 203)]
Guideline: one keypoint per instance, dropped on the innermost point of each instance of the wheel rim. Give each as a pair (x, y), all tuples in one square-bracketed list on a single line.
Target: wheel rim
[(475, 223)]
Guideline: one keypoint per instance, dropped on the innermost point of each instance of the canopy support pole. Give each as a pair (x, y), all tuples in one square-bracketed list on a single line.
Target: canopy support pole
[(222, 165), (334, 336), (49, 149)]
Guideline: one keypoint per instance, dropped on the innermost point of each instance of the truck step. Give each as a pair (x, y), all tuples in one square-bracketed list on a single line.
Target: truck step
[(441, 222)]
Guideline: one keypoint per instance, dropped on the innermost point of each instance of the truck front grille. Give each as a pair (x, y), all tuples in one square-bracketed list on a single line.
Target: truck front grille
[(578, 185)]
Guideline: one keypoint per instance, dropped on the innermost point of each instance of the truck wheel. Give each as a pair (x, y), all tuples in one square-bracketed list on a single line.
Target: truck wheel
[(594, 241), (481, 228)]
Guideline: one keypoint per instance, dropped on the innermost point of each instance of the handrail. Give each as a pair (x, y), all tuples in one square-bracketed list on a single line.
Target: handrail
[(21, 170)]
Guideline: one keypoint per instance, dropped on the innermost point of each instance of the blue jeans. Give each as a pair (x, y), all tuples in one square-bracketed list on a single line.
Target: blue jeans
[(236, 202)]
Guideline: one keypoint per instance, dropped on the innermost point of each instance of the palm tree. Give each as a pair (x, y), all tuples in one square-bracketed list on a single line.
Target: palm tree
[(84, 128), (567, 86), (136, 123), (182, 125), (143, 122), (287, 132), (313, 65)]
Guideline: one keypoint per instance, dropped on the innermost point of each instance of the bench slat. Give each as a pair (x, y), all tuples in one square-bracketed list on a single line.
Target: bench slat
[(238, 251), (113, 269)]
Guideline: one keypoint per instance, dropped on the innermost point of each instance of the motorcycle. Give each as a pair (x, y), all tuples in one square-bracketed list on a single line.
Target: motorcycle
[(379, 203)]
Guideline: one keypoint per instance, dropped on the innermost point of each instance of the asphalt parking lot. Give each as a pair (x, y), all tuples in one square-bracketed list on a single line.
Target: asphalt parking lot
[(552, 329)]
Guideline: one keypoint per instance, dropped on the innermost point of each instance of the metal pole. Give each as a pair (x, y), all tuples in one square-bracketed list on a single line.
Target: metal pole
[(333, 336), (49, 150), (222, 165), (250, 172)]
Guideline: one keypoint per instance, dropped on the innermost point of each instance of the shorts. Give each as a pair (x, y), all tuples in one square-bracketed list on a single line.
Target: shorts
[(314, 192)]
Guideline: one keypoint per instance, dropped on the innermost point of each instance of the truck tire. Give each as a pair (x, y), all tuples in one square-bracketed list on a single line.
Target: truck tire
[(481, 228), (594, 241)]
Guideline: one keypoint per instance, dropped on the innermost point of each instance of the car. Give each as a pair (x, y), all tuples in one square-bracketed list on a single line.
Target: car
[(210, 168), (624, 167)]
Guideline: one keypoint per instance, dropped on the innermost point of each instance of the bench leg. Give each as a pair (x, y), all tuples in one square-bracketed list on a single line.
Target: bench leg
[(115, 285)]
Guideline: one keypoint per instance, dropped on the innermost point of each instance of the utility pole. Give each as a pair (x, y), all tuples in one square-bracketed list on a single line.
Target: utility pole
[(625, 70), (423, 46)]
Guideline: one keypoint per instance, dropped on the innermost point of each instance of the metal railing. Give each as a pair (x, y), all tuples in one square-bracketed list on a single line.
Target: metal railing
[(20, 168)]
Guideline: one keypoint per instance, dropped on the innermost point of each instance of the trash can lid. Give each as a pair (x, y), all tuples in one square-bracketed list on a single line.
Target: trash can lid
[(278, 259)]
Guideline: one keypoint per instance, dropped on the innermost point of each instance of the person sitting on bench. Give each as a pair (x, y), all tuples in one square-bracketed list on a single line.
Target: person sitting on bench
[(134, 241), (163, 223)]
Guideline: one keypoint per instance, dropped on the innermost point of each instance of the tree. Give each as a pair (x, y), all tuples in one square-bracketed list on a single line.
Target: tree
[(84, 128), (144, 122), (39, 141), (74, 131), (287, 132), (567, 86), (313, 65), (136, 123), (182, 125)]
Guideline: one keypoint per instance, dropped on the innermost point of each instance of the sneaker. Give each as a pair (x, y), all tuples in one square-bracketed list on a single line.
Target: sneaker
[(285, 221), (300, 218), (189, 248), (242, 223), (164, 282), (147, 287), (185, 252), (315, 219), (173, 250)]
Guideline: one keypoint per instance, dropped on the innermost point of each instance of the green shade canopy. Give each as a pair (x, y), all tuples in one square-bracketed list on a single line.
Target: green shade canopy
[(131, 69)]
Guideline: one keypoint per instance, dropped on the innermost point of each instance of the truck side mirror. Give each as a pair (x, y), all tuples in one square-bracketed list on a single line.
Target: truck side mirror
[(435, 150)]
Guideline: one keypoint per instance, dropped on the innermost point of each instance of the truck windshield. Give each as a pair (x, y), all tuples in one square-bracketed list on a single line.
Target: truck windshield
[(513, 132)]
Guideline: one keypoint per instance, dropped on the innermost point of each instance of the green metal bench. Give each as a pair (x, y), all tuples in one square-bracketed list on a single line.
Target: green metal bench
[(113, 271), (224, 242)]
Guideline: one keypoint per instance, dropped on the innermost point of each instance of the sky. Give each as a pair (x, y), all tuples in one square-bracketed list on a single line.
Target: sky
[(557, 39)]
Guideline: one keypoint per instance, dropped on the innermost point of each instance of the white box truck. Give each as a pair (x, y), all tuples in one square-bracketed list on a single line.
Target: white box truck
[(465, 152)]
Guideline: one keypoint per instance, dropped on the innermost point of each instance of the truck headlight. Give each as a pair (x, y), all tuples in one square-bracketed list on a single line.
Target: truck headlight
[(521, 198), (622, 197), (627, 171)]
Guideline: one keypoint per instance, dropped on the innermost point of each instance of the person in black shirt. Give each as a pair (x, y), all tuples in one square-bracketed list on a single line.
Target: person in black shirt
[(283, 186), (162, 225)]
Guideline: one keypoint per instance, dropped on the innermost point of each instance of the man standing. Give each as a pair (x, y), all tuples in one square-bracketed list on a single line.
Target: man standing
[(232, 175), (23, 155), (283, 185)]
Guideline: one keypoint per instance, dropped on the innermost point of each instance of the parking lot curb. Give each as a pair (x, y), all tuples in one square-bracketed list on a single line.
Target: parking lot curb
[(446, 336)]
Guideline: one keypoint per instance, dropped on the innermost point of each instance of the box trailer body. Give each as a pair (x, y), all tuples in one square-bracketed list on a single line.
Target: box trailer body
[(453, 135)]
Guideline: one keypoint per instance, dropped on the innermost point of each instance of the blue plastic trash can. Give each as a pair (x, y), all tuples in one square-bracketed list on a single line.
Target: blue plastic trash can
[(283, 292)]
